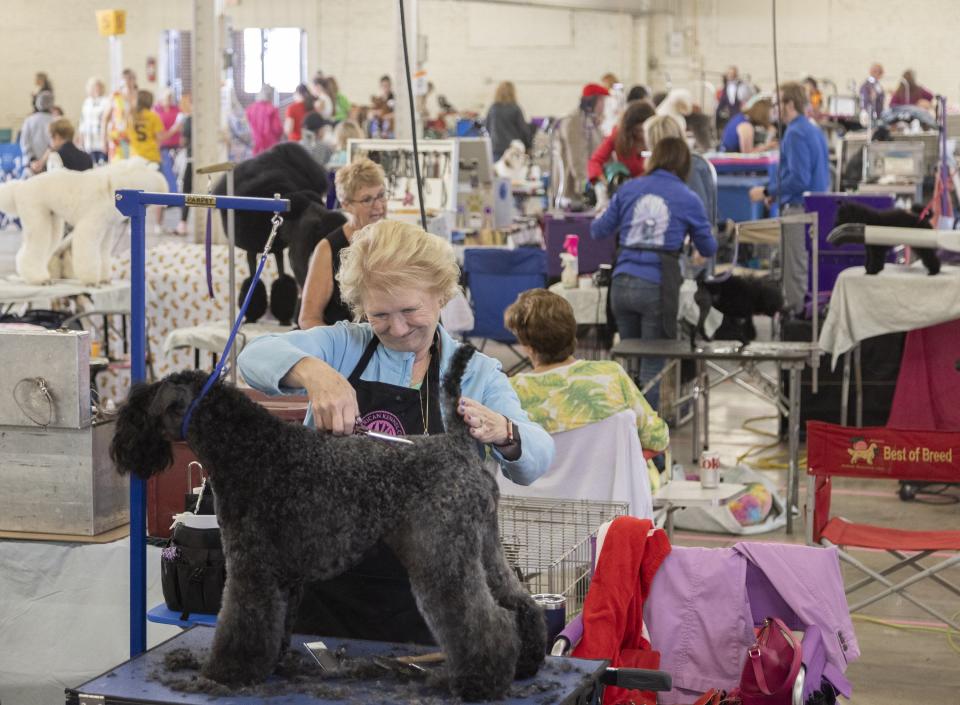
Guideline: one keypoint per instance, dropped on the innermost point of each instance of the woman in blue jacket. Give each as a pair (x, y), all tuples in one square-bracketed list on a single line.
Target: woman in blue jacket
[(386, 374), (652, 215)]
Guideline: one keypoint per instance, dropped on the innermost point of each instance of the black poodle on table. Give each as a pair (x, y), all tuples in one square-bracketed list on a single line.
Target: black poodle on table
[(289, 170), (851, 212), (295, 504)]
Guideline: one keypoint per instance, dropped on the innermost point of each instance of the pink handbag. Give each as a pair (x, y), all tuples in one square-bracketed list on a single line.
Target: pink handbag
[(773, 663)]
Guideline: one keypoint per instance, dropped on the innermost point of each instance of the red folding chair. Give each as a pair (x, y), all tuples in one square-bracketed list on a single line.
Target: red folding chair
[(883, 454)]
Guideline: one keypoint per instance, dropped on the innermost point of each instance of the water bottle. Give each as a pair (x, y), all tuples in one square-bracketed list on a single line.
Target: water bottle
[(570, 274)]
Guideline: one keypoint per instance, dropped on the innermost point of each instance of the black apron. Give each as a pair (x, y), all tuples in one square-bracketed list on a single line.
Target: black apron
[(373, 600), (671, 278)]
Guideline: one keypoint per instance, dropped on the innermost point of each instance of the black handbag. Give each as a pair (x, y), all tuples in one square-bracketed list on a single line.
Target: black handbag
[(193, 568)]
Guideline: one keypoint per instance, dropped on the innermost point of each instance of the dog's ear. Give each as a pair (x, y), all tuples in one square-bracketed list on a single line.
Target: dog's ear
[(140, 444), (168, 407)]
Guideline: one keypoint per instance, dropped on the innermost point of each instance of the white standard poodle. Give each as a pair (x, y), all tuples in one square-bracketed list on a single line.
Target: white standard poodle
[(82, 199)]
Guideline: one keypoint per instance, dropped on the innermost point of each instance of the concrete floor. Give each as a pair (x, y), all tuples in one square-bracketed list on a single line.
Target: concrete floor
[(897, 666)]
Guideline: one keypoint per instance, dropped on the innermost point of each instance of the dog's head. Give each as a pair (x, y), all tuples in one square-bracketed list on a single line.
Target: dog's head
[(150, 420)]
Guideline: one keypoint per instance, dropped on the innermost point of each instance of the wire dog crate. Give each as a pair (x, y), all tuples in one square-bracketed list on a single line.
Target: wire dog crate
[(550, 542)]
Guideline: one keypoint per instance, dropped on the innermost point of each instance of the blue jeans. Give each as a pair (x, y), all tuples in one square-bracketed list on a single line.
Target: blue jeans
[(636, 306)]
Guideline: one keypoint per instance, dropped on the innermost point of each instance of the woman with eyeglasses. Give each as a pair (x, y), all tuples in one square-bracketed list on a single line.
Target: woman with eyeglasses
[(360, 190), (385, 374)]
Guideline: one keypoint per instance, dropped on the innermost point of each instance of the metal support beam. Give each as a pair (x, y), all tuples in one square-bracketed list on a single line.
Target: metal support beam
[(207, 73)]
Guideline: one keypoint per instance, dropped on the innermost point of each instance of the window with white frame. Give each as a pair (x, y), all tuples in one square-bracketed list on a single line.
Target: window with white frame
[(275, 57)]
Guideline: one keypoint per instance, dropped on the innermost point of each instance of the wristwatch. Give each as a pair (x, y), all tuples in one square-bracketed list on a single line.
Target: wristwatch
[(513, 435)]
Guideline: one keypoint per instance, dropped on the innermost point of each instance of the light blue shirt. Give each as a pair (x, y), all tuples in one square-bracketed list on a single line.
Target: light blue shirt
[(265, 361)]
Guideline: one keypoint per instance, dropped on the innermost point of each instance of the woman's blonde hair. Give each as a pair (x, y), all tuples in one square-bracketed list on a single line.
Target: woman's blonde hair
[(93, 81), (346, 130), (656, 128), (360, 174), (392, 257), (506, 93)]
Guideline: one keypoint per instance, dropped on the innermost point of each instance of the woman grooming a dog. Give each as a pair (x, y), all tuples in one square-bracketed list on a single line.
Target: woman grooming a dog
[(360, 190), (385, 375), (652, 216)]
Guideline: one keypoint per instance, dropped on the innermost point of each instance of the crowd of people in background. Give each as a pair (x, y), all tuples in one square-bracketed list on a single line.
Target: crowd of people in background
[(602, 142)]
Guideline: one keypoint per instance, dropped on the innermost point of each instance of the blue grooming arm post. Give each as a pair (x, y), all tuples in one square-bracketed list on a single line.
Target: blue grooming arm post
[(133, 204)]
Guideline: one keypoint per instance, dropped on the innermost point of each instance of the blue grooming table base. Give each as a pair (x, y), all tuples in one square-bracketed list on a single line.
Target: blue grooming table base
[(133, 682), (161, 614)]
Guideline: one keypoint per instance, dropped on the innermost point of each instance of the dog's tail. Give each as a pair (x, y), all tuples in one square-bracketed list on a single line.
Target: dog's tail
[(451, 389)]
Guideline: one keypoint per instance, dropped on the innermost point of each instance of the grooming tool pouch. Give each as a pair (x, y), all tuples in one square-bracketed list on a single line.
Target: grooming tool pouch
[(193, 570)]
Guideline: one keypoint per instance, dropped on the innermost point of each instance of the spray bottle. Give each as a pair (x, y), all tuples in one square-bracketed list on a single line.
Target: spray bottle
[(570, 274)]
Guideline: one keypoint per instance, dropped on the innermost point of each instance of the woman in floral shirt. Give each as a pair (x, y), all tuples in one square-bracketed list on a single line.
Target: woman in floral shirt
[(563, 393)]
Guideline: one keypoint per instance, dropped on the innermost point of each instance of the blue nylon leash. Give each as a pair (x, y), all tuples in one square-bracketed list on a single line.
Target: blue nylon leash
[(208, 251), (277, 220)]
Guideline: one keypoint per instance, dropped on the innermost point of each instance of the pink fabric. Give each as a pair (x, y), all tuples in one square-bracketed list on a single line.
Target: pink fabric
[(265, 125), (758, 161), (168, 116), (928, 386)]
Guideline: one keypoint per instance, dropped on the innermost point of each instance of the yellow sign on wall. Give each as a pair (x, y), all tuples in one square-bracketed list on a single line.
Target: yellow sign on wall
[(111, 22)]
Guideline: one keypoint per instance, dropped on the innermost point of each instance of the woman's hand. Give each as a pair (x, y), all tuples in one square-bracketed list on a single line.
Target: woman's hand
[(485, 425), (333, 400)]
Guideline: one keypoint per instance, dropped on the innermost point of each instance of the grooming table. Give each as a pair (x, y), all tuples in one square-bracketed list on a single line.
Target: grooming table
[(563, 681), (113, 296), (212, 337), (900, 298), (790, 356)]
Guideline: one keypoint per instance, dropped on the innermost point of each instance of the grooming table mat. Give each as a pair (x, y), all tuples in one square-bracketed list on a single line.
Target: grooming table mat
[(212, 336), (114, 296), (900, 298), (561, 681)]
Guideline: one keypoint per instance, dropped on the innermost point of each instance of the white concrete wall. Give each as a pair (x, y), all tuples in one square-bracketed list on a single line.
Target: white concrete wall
[(838, 39), (549, 53), (60, 37)]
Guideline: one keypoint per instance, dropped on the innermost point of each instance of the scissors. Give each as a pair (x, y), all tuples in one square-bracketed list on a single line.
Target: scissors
[(359, 429)]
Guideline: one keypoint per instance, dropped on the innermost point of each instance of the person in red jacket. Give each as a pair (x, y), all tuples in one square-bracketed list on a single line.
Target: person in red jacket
[(625, 143)]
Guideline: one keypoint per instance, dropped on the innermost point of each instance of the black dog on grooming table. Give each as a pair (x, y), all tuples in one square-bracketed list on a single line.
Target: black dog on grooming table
[(295, 504)]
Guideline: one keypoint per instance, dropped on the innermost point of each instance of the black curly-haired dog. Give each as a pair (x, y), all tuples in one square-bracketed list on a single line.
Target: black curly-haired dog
[(851, 212), (739, 299), (289, 170), (295, 504)]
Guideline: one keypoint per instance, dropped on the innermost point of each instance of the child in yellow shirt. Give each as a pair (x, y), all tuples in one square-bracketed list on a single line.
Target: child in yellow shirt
[(145, 130)]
